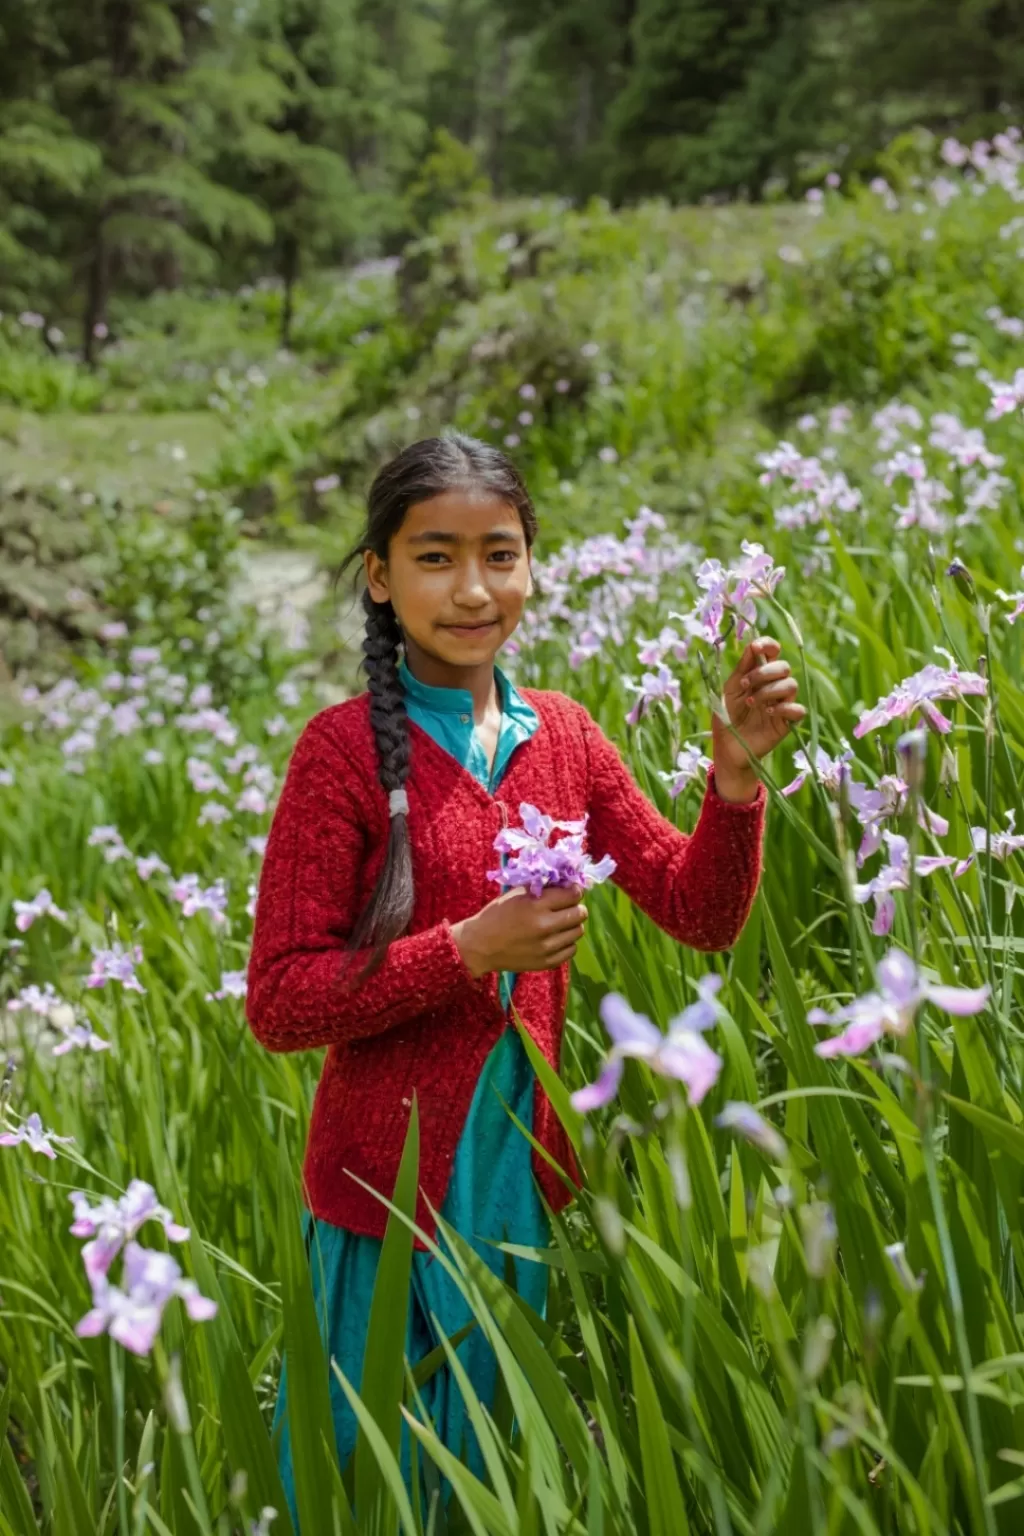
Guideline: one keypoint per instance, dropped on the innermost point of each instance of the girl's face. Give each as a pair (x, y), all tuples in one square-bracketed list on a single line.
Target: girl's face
[(457, 576)]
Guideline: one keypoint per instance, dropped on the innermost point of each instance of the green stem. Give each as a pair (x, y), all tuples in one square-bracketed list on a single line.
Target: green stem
[(980, 1490), (117, 1381), (184, 1432)]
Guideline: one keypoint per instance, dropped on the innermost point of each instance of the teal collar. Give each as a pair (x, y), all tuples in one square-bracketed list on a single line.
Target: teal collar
[(459, 701)]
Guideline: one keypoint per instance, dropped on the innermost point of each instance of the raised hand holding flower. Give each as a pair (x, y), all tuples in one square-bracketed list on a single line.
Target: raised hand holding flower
[(760, 698)]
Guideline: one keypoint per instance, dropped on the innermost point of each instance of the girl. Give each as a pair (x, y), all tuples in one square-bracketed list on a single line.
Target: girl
[(378, 935)]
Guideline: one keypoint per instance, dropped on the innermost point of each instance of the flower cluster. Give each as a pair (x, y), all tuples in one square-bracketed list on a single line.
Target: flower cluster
[(132, 1311), (536, 862)]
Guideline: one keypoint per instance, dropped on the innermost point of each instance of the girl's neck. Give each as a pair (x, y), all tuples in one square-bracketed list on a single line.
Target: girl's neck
[(479, 679)]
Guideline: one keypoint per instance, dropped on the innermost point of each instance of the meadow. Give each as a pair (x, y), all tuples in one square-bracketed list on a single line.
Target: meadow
[(789, 1298)]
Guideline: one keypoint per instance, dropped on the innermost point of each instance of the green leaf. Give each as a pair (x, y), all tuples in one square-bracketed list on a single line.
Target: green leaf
[(309, 1402), (383, 1361), (666, 1507)]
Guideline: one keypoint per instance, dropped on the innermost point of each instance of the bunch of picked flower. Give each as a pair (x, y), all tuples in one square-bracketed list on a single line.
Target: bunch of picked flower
[(536, 862)]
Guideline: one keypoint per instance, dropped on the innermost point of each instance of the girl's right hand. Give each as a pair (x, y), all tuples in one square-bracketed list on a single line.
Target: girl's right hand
[(519, 932)]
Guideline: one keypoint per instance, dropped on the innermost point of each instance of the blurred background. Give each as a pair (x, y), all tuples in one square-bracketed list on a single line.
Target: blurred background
[(247, 250)]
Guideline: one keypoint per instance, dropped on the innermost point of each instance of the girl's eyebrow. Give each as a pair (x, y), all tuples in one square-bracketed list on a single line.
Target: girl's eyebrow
[(496, 536)]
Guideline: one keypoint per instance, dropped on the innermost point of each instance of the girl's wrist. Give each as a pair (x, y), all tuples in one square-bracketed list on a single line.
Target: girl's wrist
[(736, 784)]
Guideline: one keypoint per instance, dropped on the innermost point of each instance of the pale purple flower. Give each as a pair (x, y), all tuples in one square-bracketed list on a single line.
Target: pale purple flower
[(232, 984), (690, 762), (525, 418), (919, 692), (144, 656), (1016, 598), (527, 392), (608, 455), (792, 255), (31, 1132), (324, 483), (133, 1316), (275, 725), (252, 799), (891, 1008), (895, 876), (213, 812), (536, 862), (81, 1037), (743, 1118), (562, 386), (112, 843), (257, 844), (42, 1001), (829, 771), (151, 864), (41, 905), (203, 777), (100, 330), (115, 630), (1002, 844), (872, 807), (511, 439), (681, 1053), (6, 777), (589, 349), (111, 1223), (288, 693), (652, 688), (116, 964), (195, 898)]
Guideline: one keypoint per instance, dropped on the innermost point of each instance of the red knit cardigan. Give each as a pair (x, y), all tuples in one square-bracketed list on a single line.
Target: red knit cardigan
[(423, 1022)]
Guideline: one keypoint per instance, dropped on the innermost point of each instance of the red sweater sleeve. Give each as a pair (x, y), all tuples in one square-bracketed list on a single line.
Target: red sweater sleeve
[(307, 905), (699, 886)]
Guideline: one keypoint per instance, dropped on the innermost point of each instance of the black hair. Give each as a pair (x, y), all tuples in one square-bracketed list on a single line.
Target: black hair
[(420, 472)]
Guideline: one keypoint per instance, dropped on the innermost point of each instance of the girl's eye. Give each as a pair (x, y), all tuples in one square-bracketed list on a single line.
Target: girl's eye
[(440, 555)]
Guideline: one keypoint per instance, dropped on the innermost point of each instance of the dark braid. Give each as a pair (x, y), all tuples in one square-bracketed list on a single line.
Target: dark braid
[(423, 470)]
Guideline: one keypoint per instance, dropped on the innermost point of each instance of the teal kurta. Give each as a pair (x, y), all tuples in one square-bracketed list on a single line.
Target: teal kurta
[(491, 1193)]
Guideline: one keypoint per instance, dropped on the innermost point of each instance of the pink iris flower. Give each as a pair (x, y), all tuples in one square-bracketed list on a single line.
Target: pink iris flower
[(920, 692), (891, 1009), (681, 1053), (895, 876), (133, 1315), (32, 1134)]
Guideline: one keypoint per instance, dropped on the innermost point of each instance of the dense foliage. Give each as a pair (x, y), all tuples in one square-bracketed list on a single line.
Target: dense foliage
[(149, 143)]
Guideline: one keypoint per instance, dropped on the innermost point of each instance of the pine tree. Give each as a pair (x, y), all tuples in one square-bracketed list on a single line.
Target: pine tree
[(126, 81), (721, 94)]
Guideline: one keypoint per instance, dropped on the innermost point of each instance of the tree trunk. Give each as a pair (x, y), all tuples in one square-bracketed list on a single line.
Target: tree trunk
[(289, 272), (95, 299)]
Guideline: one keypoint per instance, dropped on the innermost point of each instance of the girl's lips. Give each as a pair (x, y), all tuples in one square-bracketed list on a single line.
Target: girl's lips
[(471, 629)]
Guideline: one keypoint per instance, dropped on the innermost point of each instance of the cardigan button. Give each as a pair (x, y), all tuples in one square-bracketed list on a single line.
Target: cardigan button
[(464, 719)]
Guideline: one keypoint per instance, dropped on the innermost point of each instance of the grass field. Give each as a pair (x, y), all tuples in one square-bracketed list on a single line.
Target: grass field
[(790, 1304)]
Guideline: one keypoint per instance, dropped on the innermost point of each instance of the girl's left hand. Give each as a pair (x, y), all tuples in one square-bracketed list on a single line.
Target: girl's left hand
[(760, 697)]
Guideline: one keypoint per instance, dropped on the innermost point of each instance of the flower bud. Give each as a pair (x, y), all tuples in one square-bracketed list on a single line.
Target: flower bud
[(961, 576), (817, 1348), (949, 772), (913, 749), (608, 1220), (174, 1398)]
